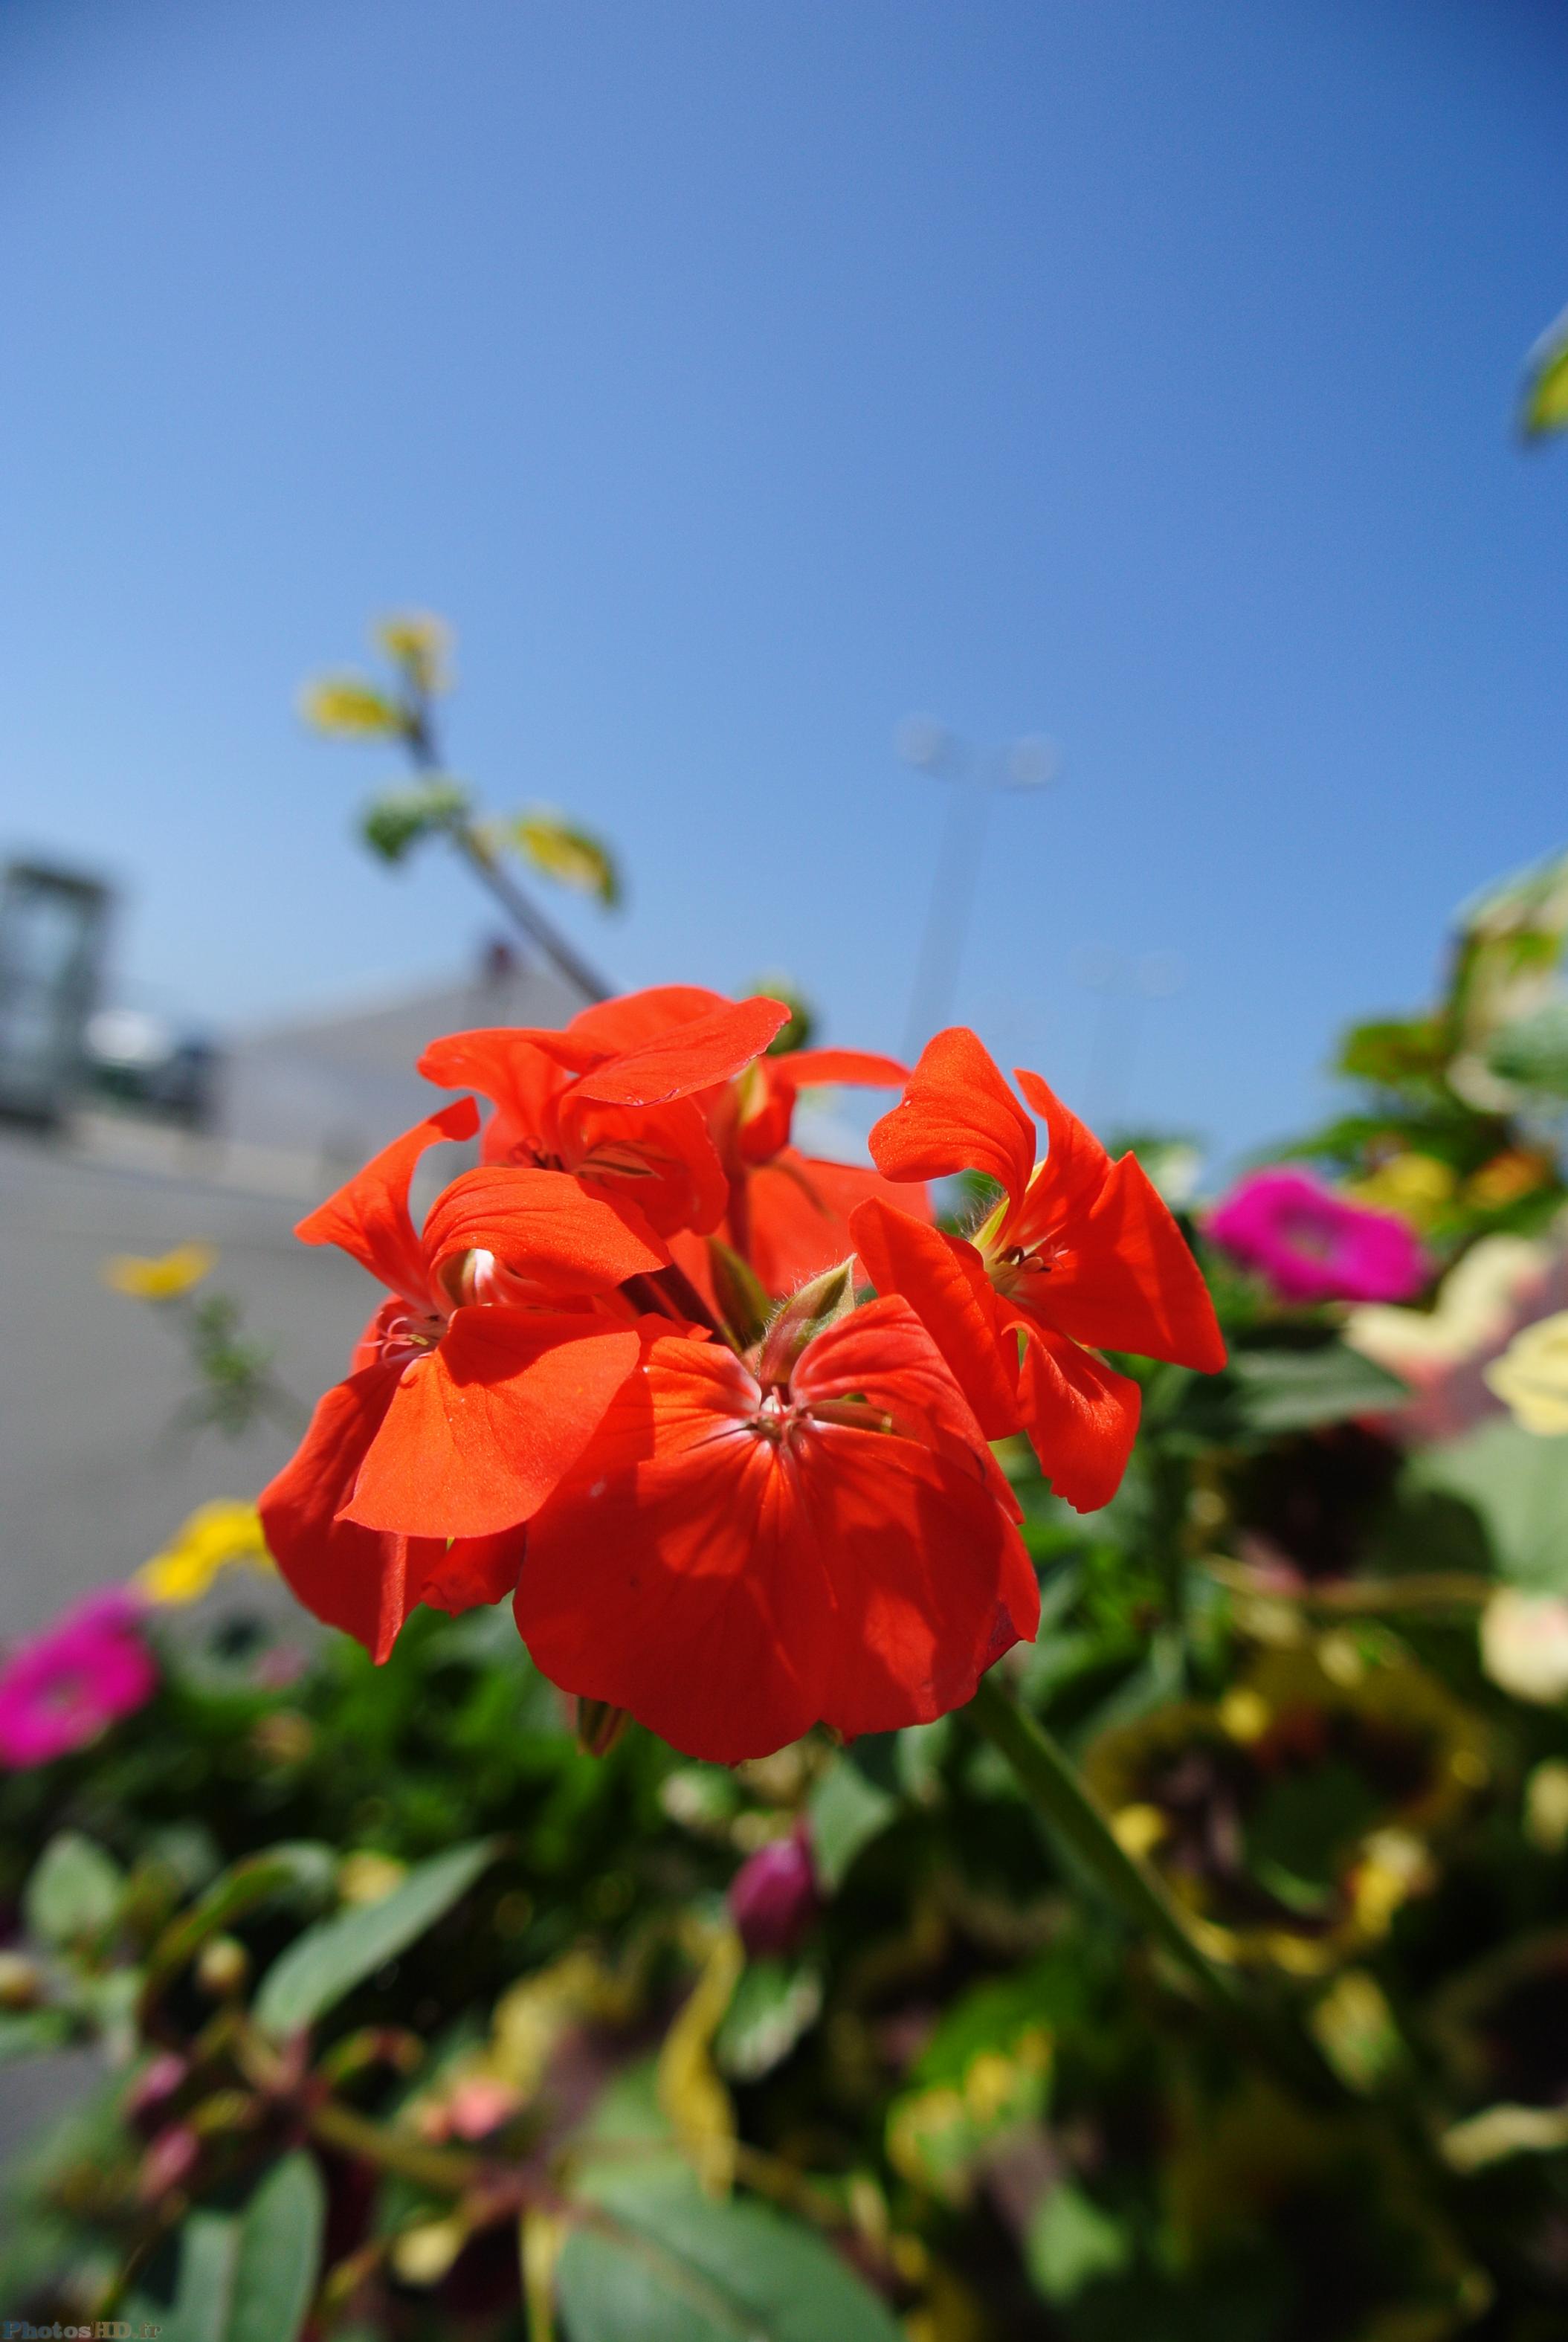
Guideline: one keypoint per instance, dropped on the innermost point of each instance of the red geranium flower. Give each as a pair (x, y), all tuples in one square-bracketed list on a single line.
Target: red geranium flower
[(738, 1555), (788, 1213), (615, 1098), (474, 1386), (1080, 1251)]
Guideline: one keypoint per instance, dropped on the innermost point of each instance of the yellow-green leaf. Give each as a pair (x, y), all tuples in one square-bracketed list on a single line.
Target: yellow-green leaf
[(349, 708), (572, 857), (421, 645), (1546, 381)]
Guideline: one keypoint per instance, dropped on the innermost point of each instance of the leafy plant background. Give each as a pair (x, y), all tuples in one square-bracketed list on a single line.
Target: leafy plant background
[(412, 2018)]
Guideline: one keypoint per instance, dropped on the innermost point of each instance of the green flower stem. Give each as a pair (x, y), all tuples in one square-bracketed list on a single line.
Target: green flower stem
[(519, 906), (1055, 1789), (442, 2170)]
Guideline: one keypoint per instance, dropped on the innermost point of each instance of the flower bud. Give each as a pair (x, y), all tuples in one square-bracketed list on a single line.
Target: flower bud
[(223, 1967), (773, 1898), (20, 1982), (151, 2094), (809, 1312), (284, 1737), (168, 2162), (599, 1727)]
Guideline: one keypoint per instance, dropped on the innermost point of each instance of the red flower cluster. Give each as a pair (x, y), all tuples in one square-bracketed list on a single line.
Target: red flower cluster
[(624, 1372)]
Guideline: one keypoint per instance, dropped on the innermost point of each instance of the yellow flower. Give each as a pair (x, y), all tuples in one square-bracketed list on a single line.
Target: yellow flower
[(365, 1877), (1546, 1805), (1530, 1377), (1509, 1175), (159, 1280), (1478, 1297), (1413, 1185), (214, 1535)]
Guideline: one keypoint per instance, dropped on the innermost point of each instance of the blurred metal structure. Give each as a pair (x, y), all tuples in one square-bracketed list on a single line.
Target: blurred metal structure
[(54, 922), (976, 777)]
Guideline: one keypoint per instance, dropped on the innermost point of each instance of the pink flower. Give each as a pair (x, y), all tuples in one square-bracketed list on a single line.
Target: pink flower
[(773, 1897), (1312, 1245), (62, 1687)]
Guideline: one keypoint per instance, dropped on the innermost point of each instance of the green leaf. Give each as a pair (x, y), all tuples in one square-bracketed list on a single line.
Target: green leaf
[(1533, 1050), (74, 1890), (250, 2276), (31, 2032), (1289, 1390), (1395, 1053), (1050, 1994), (1070, 2242), (847, 1811), (400, 818), (774, 2003), (1304, 1827), (681, 2267), (1517, 1482), (986, 2071), (301, 1867), (322, 1967)]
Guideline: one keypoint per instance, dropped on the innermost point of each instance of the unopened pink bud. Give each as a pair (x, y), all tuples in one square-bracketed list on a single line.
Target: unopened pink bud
[(148, 2099), (168, 2162), (773, 1898)]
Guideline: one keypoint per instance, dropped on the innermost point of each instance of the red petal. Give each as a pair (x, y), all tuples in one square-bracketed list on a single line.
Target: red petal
[(474, 1571), (957, 1114), (769, 1101), (1081, 1419), (768, 1096), (669, 1576), (368, 1216), (523, 1072), (544, 1229), (930, 1579), (659, 1159), (944, 1279), (728, 1596), (612, 1026), (882, 1353), (1076, 1163), (693, 1056), (486, 1059), (350, 1577), (690, 1254), (1124, 1277), (479, 1431), (794, 1214), (804, 1067)]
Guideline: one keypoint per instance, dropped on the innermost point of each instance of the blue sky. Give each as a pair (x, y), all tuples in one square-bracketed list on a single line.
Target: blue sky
[(740, 378)]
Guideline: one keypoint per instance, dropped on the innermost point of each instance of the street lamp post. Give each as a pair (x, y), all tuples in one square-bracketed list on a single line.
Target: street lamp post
[(976, 778)]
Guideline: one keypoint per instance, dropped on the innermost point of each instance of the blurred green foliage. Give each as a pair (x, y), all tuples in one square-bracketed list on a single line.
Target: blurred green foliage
[(416, 2021)]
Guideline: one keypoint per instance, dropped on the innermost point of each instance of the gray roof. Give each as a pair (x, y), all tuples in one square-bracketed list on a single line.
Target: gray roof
[(335, 1086)]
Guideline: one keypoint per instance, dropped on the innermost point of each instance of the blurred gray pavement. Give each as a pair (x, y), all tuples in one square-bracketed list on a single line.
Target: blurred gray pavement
[(93, 1478)]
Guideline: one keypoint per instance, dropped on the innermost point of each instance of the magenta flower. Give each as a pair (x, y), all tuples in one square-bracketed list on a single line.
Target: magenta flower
[(60, 1688), (1312, 1245), (773, 1896)]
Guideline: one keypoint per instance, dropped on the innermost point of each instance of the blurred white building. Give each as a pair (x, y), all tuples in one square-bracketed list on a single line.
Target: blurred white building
[(327, 1090)]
